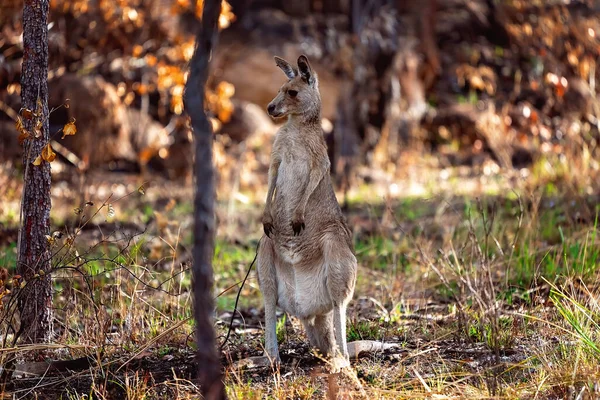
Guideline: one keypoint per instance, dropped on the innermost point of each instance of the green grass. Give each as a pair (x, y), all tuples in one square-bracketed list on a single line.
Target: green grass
[(582, 314), (413, 209), (230, 264), (8, 256), (280, 329), (364, 330)]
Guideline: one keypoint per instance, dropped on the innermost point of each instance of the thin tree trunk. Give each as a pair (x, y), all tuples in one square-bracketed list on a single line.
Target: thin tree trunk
[(209, 368), (35, 299)]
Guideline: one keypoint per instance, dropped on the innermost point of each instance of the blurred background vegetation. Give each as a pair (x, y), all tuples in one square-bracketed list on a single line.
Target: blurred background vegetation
[(500, 87), (463, 136)]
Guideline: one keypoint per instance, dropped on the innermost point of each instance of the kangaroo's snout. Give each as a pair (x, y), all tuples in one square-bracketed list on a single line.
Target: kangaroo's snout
[(275, 108)]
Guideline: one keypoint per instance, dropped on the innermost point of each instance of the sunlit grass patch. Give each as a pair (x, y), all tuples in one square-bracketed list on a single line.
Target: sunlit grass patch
[(382, 253), (230, 265), (580, 309)]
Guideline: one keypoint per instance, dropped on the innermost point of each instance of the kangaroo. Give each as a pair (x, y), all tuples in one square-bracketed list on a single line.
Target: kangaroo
[(306, 263)]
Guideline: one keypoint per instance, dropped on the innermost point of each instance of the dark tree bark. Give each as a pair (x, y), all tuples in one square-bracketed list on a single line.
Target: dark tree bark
[(35, 299), (209, 368), (298, 8), (423, 14)]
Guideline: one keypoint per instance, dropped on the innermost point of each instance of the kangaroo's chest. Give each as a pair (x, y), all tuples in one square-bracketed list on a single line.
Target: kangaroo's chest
[(292, 178), (293, 172)]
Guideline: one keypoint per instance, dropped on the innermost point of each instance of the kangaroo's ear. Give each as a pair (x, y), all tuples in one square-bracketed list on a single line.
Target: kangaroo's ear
[(305, 70), (286, 67)]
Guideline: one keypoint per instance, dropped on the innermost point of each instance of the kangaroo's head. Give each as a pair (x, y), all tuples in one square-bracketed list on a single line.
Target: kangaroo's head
[(300, 94)]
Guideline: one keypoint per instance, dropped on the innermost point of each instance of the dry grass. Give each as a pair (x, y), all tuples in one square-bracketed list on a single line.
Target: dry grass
[(489, 296)]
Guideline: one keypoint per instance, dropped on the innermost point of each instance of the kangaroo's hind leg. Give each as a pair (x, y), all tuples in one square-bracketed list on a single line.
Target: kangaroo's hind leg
[(341, 278), (267, 280), (320, 333)]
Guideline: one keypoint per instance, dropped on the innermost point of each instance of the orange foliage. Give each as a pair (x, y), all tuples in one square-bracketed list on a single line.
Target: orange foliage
[(225, 19), (219, 101), (169, 65)]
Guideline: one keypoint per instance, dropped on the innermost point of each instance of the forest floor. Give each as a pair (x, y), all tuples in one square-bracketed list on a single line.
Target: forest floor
[(488, 292)]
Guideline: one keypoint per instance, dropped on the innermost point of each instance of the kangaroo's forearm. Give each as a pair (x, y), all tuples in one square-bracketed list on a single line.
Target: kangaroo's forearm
[(270, 193), (273, 171)]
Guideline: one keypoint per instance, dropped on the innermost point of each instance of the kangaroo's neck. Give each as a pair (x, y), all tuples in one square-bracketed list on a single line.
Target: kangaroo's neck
[(309, 119)]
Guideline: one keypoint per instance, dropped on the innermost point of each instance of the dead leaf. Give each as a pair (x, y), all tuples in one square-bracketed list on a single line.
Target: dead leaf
[(23, 135), (27, 113), (69, 129), (19, 124), (37, 161), (69, 241), (48, 154)]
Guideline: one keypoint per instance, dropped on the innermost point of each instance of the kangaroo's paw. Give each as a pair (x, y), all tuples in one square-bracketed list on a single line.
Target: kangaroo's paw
[(268, 228), (267, 221), (298, 225)]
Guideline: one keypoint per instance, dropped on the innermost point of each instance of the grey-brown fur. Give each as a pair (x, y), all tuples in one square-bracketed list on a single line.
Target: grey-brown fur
[(305, 263)]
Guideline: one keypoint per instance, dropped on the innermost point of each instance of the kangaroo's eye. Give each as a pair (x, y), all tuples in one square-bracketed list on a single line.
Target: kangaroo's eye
[(293, 93)]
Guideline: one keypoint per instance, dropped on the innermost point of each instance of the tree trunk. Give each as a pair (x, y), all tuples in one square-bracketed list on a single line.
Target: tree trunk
[(296, 8), (209, 368), (35, 299), (424, 17)]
